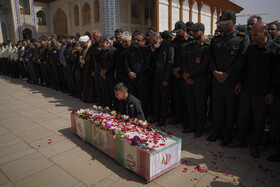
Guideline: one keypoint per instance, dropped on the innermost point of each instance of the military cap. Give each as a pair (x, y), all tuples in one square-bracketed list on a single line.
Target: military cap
[(53, 36), (189, 23), (226, 17), (179, 25), (197, 26), (66, 36)]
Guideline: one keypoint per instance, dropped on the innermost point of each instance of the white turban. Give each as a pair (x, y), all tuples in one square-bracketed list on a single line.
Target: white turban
[(84, 38)]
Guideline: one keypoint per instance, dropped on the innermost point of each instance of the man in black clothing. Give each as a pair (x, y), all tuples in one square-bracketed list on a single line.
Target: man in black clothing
[(273, 29), (259, 82), (96, 66), (128, 104), (162, 60), (138, 66), (122, 51), (108, 63), (118, 37)]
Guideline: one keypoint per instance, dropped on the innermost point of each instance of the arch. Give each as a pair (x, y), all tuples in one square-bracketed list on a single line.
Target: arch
[(60, 22), (27, 34), (76, 15), (89, 35), (96, 11), (86, 14), (135, 13), (41, 18)]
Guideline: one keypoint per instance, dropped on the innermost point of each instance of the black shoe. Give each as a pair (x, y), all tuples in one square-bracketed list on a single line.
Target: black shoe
[(255, 153), (274, 158), (188, 130), (225, 142), (174, 122), (237, 142), (198, 134), (214, 137)]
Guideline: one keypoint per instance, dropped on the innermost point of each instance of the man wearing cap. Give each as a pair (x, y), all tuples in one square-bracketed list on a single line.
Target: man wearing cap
[(52, 64), (86, 69), (195, 74), (182, 39), (225, 64), (41, 59), (35, 60)]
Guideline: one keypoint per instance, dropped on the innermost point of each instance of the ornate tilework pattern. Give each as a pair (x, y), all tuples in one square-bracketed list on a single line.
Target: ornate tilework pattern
[(110, 16), (33, 19), (18, 20)]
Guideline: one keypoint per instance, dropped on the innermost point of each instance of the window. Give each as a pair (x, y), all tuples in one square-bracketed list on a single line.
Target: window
[(41, 18), (135, 13), (86, 14), (96, 11), (24, 7), (76, 15)]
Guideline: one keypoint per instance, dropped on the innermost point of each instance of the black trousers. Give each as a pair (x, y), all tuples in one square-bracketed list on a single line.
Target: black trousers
[(255, 105), (22, 70), (109, 84), (160, 98), (139, 87), (44, 73), (196, 102), (224, 108), (32, 71), (99, 83), (274, 119)]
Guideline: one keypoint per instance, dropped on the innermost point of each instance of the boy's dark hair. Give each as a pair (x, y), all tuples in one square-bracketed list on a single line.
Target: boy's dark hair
[(121, 87), (118, 31)]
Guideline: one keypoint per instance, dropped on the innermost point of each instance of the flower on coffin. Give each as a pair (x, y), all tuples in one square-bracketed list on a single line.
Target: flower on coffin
[(74, 111), (106, 109), (103, 125), (94, 107), (136, 140), (108, 126), (99, 108), (113, 113)]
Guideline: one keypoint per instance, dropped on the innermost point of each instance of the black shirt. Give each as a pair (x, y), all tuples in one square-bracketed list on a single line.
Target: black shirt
[(131, 107), (95, 56), (138, 60), (107, 59), (120, 57), (261, 72)]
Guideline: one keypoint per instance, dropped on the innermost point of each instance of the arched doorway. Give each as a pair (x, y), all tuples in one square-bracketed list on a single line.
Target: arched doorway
[(60, 22), (27, 34)]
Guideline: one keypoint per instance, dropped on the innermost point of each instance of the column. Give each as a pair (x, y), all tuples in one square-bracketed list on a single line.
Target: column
[(157, 9), (18, 21), (218, 15), (191, 2), (181, 9), (212, 19), (110, 16), (199, 6), (170, 15), (33, 20)]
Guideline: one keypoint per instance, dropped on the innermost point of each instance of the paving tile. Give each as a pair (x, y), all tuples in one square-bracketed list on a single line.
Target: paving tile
[(33, 113), (3, 179), (56, 124), (44, 142), (46, 116), (53, 176), (13, 148), (25, 166), (16, 155), (35, 134), (3, 131), (212, 180)]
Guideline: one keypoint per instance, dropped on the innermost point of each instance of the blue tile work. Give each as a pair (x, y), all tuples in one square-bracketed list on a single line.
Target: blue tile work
[(33, 20), (110, 16), (18, 20)]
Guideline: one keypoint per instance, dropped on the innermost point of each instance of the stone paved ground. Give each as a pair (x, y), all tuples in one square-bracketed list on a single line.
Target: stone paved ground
[(38, 148)]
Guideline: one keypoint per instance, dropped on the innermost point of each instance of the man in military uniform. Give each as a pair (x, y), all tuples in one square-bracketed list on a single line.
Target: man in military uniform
[(52, 63), (41, 59), (273, 29), (67, 64), (196, 79), (35, 60), (225, 64), (182, 39)]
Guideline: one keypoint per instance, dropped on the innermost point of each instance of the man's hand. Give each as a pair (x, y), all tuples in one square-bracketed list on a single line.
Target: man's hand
[(45, 62), (176, 72), (92, 73), (82, 63), (26, 59), (269, 98), (219, 76), (64, 64), (132, 75), (164, 83), (185, 76), (54, 51), (237, 89), (189, 81), (103, 73)]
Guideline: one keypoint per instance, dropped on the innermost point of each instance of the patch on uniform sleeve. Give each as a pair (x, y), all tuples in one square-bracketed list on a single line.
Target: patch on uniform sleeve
[(197, 60)]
